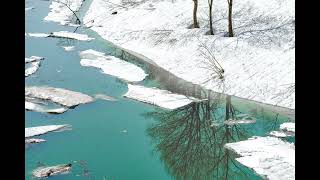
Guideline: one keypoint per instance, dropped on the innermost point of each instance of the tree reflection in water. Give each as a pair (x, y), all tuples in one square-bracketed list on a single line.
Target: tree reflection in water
[(190, 141)]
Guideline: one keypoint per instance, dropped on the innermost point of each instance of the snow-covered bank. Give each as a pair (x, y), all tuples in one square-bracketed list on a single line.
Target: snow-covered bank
[(39, 130), (158, 97), (267, 156), (258, 62), (58, 95), (112, 66), (61, 11)]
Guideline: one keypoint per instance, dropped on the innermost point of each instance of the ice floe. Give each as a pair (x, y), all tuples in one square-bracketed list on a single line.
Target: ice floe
[(33, 64), (269, 157), (38, 34), (60, 11), (68, 48), (112, 66), (31, 106), (34, 140), (32, 59), (158, 97), (43, 172), (61, 96), (39, 130), (70, 35), (29, 8)]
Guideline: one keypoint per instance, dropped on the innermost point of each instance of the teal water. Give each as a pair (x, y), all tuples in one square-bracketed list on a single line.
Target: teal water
[(158, 144)]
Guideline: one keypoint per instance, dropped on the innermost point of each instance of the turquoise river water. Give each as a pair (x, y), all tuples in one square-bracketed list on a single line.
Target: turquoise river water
[(125, 139)]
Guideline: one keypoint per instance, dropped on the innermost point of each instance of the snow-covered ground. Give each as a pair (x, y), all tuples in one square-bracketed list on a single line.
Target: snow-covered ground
[(62, 34), (267, 156), (259, 63), (158, 97), (112, 65), (61, 11)]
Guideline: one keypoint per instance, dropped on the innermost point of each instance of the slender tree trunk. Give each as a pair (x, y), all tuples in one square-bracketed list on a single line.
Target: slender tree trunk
[(228, 107), (210, 17), (230, 29), (195, 8)]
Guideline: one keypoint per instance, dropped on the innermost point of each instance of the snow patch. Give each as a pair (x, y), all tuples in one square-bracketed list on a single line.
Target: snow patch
[(43, 172), (267, 156), (39, 130), (71, 35), (68, 48), (112, 66), (61, 13), (158, 97), (58, 95), (288, 127)]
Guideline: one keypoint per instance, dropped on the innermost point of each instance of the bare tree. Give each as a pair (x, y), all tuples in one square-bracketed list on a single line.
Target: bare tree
[(195, 8), (67, 3), (230, 30), (210, 17)]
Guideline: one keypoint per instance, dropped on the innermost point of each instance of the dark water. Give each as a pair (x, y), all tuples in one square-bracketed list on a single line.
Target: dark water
[(125, 139)]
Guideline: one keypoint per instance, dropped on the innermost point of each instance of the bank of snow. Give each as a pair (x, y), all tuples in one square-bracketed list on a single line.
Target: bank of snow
[(158, 97), (61, 11), (259, 62), (269, 157), (112, 66)]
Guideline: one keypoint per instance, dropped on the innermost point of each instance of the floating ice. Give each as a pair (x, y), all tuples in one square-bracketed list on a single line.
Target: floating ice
[(32, 59), (33, 67), (41, 108), (68, 48), (158, 97), (231, 122), (112, 66), (70, 35), (267, 156), (38, 34), (42, 172), (39, 130), (33, 140), (58, 95), (104, 97)]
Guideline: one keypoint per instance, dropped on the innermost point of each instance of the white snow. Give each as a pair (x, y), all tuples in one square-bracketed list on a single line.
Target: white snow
[(39, 108), (281, 133), (29, 8), (32, 59), (291, 127), (259, 62), (34, 66), (42, 172), (71, 35), (58, 95), (267, 156), (112, 66), (33, 140), (39, 130), (38, 34), (61, 13), (158, 97), (68, 48)]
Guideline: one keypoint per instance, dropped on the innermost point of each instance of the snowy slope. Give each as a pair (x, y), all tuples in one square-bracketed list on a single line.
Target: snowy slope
[(259, 62)]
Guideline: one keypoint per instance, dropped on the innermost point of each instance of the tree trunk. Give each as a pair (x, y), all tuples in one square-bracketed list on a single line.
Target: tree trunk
[(195, 8), (230, 29), (228, 107), (210, 18)]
